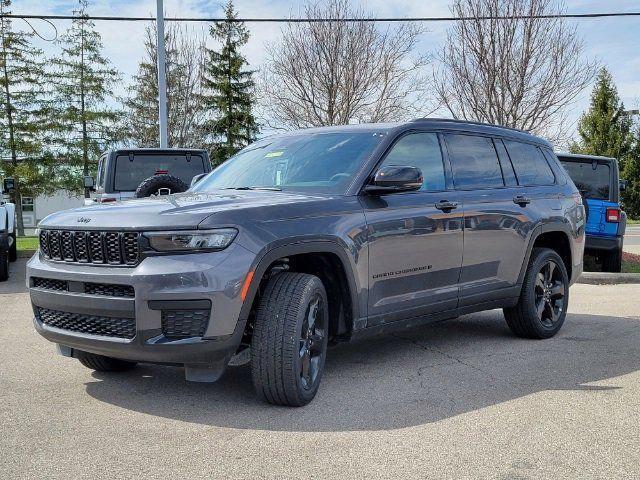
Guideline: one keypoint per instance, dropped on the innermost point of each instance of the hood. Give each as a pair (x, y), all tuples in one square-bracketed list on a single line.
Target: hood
[(180, 211)]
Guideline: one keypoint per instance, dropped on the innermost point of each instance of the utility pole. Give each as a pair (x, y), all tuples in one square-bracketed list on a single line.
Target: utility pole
[(162, 76)]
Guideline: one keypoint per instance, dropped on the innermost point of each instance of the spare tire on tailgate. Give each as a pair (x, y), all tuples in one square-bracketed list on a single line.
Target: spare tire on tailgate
[(163, 184)]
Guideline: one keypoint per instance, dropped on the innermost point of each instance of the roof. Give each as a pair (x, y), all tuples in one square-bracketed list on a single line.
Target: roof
[(435, 123), (580, 156), (157, 150)]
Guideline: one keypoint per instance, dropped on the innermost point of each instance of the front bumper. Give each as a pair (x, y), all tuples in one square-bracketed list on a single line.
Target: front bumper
[(189, 278), (596, 243)]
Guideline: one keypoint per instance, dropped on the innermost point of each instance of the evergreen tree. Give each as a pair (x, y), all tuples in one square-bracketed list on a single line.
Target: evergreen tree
[(21, 109), (605, 129), (631, 173), (229, 89), (186, 113), (83, 81)]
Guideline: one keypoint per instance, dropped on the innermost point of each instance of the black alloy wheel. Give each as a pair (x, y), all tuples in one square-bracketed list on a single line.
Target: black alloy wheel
[(549, 294), (312, 342), (544, 297)]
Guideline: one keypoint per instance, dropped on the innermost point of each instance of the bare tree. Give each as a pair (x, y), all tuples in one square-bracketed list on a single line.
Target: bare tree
[(186, 112), (516, 72), (336, 72)]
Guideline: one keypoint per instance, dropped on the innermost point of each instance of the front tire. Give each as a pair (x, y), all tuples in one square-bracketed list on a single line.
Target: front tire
[(542, 306), (4, 266), (100, 363), (13, 251), (289, 343)]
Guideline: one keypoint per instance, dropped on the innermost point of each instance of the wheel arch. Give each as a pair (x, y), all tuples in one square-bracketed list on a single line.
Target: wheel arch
[(556, 236), (315, 254)]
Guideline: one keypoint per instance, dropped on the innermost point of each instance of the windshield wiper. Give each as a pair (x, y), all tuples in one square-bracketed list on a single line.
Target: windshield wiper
[(273, 189)]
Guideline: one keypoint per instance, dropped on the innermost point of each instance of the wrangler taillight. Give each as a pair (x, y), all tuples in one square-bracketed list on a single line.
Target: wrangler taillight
[(613, 215)]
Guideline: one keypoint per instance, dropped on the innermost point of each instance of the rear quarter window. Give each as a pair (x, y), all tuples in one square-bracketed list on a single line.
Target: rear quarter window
[(529, 163)]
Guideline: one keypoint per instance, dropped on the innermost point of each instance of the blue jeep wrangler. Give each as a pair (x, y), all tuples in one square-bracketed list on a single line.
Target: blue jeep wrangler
[(599, 182)]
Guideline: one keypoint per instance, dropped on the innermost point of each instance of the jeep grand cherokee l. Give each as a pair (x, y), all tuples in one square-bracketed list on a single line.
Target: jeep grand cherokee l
[(325, 234)]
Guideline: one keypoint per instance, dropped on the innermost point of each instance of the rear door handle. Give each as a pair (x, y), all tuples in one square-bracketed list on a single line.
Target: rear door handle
[(521, 200), (446, 206)]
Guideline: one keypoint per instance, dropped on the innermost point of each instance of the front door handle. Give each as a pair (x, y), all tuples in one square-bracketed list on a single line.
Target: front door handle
[(521, 200), (446, 206)]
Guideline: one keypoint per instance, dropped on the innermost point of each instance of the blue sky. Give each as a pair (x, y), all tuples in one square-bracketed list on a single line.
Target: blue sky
[(615, 43)]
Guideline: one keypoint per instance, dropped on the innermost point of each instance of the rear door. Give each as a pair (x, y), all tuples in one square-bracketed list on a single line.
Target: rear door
[(496, 228), (415, 245)]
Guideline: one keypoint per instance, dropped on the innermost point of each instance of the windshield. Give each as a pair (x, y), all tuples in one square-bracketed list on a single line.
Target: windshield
[(132, 171), (320, 162), (592, 183)]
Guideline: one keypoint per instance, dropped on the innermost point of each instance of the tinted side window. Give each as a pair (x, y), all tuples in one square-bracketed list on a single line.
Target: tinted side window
[(529, 163), (420, 150), (507, 168), (474, 162)]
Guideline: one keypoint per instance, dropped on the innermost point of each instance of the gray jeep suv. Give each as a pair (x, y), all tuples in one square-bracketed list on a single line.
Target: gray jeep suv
[(327, 234)]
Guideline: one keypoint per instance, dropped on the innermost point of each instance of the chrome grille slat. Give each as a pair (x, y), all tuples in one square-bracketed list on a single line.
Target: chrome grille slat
[(54, 245), (66, 243), (80, 245), (95, 247), (44, 242)]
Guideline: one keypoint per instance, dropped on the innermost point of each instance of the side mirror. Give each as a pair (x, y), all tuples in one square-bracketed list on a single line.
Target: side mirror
[(89, 183), (623, 185), (395, 178), (9, 185), (197, 178)]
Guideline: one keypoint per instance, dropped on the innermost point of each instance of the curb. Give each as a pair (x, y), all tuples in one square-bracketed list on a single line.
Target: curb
[(25, 253), (601, 278)]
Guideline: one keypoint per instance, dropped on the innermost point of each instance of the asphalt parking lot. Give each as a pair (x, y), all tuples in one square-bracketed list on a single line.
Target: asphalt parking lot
[(460, 399)]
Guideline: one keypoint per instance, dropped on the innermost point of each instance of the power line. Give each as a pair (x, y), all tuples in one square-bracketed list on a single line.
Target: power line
[(317, 20)]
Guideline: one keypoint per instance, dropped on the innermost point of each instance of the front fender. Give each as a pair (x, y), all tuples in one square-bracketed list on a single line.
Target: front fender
[(273, 252)]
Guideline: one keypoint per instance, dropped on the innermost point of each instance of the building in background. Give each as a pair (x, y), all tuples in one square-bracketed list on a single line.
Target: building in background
[(35, 209)]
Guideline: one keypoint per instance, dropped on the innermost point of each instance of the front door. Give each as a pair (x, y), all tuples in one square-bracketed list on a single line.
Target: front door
[(415, 238)]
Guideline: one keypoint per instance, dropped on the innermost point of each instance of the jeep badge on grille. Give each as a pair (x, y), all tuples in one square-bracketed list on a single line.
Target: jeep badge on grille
[(83, 220)]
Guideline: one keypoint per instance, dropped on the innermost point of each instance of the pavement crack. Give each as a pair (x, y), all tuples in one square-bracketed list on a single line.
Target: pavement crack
[(429, 348)]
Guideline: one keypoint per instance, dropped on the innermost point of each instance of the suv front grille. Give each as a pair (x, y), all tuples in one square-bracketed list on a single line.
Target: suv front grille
[(184, 323), (101, 248), (89, 324)]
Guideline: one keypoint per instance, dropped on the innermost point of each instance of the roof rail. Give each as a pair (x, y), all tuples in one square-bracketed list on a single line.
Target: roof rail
[(455, 120)]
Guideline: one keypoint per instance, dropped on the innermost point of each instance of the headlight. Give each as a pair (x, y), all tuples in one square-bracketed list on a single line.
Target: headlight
[(191, 240)]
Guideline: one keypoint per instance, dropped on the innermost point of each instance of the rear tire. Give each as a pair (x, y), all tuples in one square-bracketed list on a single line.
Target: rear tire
[(612, 261), (4, 266), (101, 363), (13, 251), (289, 343), (542, 306)]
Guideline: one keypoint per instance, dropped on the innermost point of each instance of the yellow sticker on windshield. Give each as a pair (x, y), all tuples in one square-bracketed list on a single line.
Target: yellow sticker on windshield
[(274, 154)]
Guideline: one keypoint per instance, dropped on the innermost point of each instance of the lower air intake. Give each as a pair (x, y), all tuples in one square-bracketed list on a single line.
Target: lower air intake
[(89, 324), (184, 323)]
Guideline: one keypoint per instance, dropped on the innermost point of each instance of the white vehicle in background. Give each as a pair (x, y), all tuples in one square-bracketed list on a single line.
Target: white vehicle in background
[(141, 172), (8, 247)]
